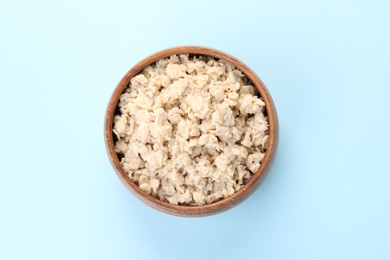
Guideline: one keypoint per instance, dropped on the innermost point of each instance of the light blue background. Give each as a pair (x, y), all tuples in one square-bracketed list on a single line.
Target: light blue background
[(326, 64)]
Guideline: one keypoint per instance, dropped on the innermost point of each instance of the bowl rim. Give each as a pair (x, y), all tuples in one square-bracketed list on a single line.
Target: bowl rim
[(218, 206)]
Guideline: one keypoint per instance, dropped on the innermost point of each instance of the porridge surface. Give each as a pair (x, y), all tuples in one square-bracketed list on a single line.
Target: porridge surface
[(191, 130)]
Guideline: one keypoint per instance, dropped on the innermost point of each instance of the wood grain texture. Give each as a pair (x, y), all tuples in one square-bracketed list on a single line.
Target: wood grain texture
[(216, 207)]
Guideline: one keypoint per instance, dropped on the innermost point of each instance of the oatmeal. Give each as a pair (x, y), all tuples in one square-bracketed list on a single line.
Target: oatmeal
[(191, 130)]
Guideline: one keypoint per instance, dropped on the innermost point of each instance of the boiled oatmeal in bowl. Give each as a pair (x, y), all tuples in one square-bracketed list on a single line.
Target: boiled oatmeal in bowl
[(190, 130)]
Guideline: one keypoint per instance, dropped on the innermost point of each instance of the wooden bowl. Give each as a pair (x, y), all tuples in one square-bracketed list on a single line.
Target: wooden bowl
[(216, 207)]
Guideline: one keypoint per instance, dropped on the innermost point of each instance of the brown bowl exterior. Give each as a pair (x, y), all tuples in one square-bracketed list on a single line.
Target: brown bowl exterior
[(216, 207)]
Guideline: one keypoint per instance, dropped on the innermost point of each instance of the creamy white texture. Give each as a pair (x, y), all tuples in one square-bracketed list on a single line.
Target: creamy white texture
[(191, 130)]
